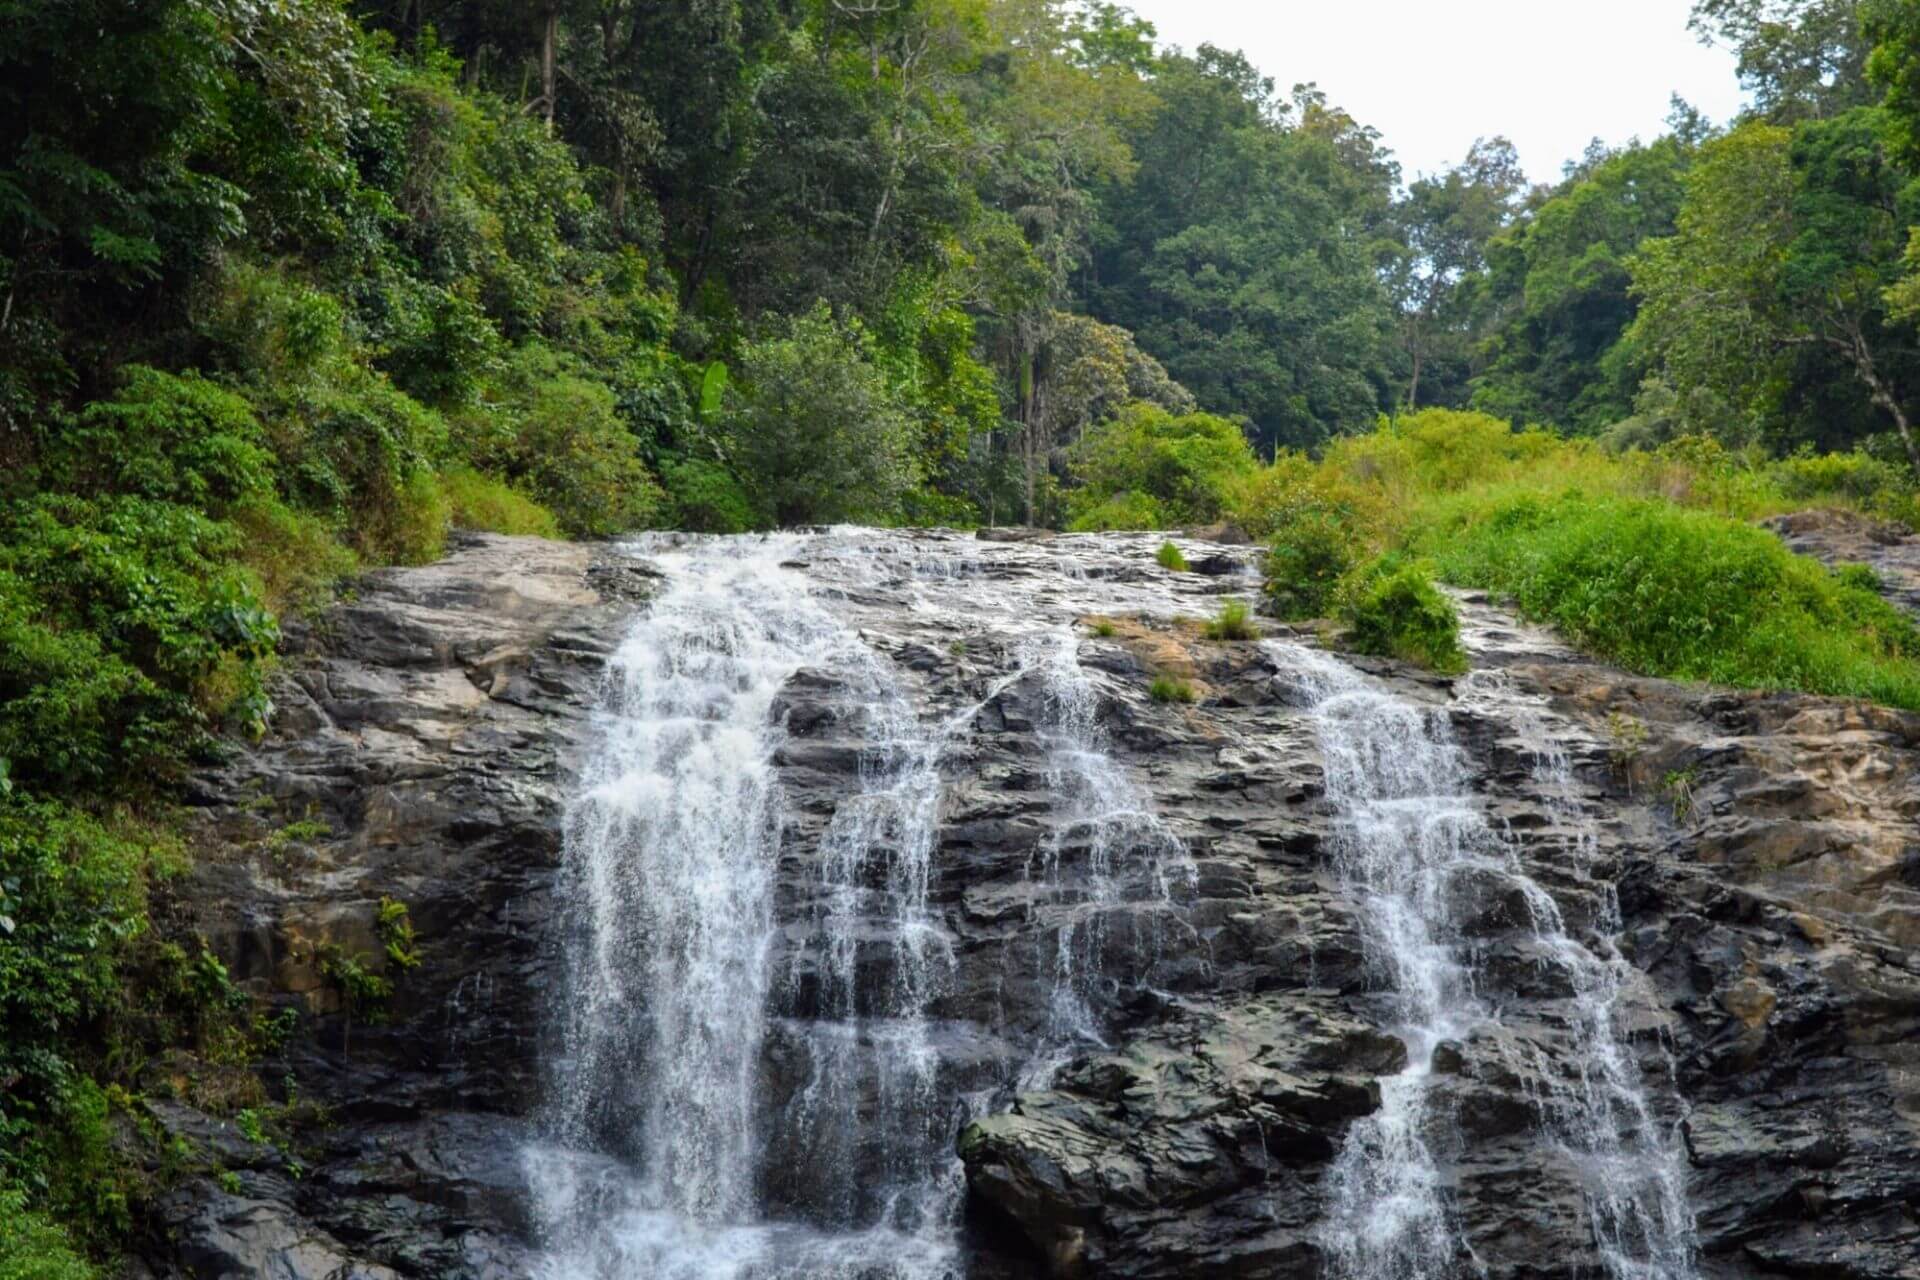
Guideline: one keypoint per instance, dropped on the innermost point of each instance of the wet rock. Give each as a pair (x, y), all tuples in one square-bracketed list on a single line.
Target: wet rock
[(429, 730)]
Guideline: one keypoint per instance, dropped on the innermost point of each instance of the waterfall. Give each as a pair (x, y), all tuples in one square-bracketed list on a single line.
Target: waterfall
[(660, 1127), (673, 849), (776, 1021), (1411, 838), (1126, 853)]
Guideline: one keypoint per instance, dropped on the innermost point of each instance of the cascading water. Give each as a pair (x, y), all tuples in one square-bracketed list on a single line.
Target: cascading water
[(1633, 1165), (1107, 824), (673, 849), (772, 1036), (1411, 838)]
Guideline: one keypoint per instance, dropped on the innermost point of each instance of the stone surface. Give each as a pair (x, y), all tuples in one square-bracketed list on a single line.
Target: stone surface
[(1765, 848)]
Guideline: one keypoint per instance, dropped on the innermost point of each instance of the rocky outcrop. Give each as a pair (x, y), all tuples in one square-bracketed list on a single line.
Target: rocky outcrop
[(1838, 538), (1765, 850), (420, 751)]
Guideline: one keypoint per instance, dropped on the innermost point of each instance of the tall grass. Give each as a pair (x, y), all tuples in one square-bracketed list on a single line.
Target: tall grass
[(1679, 593), (1647, 558)]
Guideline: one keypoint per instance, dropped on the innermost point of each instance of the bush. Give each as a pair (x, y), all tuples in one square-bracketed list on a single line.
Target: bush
[(1234, 622), (476, 501), (1392, 609), (1683, 593), (705, 497), (72, 896), (1312, 549), (815, 429), (1170, 557), (170, 438), (1128, 510), (294, 554), (116, 617), (1186, 465), (33, 1248), (362, 453), (573, 454)]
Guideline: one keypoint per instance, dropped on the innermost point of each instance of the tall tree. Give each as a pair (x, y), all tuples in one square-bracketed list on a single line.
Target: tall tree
[(1245, 252), (1555, 305), (1772, 290), (1445, 224), (1801, 59)]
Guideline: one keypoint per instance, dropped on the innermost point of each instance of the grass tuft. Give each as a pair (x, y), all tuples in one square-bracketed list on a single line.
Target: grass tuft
[(1234, 622)]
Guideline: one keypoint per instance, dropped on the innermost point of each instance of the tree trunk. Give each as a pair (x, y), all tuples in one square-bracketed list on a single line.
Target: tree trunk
[(549, 39), (1878, 391)]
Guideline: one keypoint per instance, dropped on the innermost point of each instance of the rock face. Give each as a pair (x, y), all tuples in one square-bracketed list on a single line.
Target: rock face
[(421, 751), (1754, 858)]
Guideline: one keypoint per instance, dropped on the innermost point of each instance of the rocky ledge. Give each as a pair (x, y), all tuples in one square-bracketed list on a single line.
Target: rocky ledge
[(1765, 850)]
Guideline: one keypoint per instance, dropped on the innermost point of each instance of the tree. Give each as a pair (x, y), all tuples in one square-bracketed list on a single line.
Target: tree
[(815, 430), (1801, 59), (1773, 285), (1445, 224), (1555, 305), (1245, 252)]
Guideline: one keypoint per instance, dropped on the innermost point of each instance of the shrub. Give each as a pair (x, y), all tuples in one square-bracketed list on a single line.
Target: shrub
[(33, 1248), (294, 554), (1170, 557), (1312, 549), (573, 454), (362, 453), (1128, 510), (477, 501), (116, 614), (1186, 465), (705, 497), (816, 430), (1392, 609), (1170, 689), (1684, 593), (1234, 622), (171, 438)]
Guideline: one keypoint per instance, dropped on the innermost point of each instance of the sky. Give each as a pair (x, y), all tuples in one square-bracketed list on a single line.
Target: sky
[(1433, 75)]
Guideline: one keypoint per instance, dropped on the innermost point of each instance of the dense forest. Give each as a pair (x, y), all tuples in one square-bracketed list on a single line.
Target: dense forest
[(293, 287)]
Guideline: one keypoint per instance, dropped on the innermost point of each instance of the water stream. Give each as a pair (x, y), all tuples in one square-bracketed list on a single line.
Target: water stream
[(718, 1037), (1415, 848)]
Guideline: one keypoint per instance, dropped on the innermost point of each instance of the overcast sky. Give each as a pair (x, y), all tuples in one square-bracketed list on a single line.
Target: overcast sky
[(1433, 75)]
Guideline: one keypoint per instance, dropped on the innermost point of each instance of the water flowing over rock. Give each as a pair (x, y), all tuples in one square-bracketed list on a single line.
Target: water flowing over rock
[(841, 904)]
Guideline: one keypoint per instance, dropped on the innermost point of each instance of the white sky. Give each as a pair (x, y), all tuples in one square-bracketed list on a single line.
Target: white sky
[(1433, 75)]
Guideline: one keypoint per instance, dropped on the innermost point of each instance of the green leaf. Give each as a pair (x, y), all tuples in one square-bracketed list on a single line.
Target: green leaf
[(713, 390)]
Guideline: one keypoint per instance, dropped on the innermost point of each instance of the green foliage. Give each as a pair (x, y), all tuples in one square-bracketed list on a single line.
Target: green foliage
[(1170, 689), (705, 497), (75, 896), (558, 433), (1170, 557), (1233, 622), (1392, 608), (1309, 553), (476, 501), (124, 622), (1682, 593), (1185, 467), (166, 438), (393, 923), (1559, 279), (1242, 250), (33, 1248), (817, 433)]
